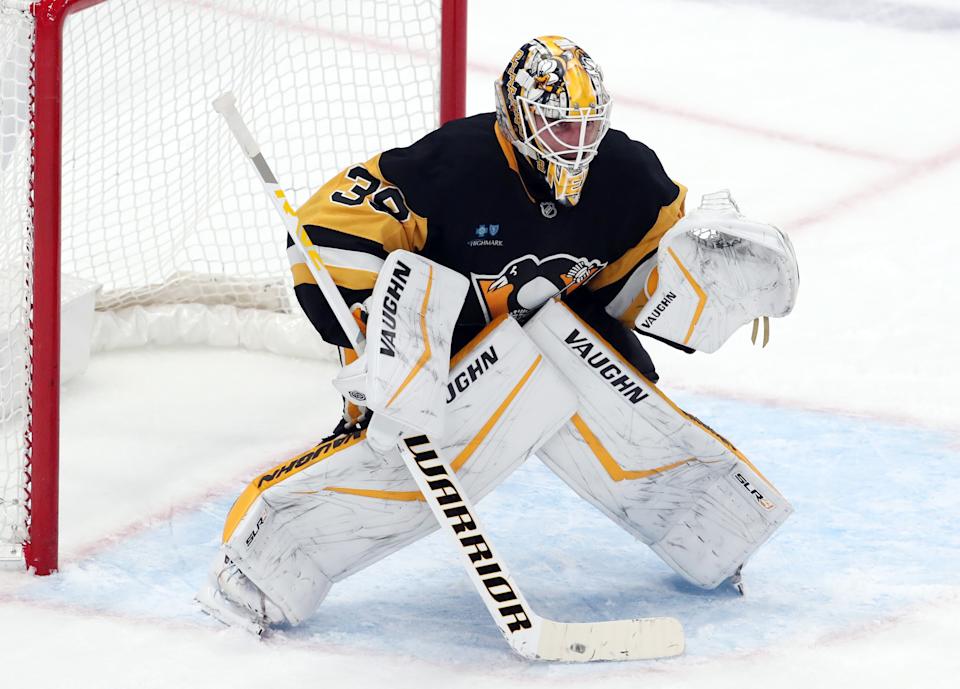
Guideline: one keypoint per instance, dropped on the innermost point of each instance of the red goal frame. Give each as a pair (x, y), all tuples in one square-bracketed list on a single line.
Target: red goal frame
[(42, 441)]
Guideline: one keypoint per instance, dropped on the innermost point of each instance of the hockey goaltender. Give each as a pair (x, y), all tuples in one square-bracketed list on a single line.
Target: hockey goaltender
[(485, 238)]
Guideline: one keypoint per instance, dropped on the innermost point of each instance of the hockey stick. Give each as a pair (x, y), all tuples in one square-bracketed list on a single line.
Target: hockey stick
[(529, 634)]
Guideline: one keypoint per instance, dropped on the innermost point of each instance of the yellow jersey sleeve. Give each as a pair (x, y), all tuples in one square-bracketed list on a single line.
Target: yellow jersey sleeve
[(354, 220)]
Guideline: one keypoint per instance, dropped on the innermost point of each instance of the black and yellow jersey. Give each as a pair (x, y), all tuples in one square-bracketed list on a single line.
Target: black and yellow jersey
[(462, 197)]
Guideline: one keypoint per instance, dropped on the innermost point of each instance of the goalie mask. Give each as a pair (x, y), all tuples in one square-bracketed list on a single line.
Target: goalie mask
[(552, 106)]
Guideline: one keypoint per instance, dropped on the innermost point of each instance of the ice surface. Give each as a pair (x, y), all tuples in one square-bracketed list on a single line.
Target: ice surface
[(867, 541), (835, 121)]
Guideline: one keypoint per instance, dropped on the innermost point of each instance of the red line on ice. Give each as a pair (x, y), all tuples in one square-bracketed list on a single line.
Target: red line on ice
[(621, 99), (162, 516), (902, 176)]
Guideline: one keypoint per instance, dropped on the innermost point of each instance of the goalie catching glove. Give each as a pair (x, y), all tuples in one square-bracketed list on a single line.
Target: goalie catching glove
[(717, 271)]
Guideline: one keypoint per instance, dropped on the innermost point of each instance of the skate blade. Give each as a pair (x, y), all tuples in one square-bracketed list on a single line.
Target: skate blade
[(213, 603)]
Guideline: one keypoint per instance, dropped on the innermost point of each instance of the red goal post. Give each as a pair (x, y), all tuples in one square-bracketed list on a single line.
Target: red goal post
[(359, 45)]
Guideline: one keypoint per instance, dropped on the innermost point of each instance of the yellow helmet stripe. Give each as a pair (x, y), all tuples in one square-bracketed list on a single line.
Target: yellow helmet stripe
[(580, 90)]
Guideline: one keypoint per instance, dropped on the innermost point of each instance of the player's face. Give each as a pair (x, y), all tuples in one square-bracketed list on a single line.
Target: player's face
[(567, 137)]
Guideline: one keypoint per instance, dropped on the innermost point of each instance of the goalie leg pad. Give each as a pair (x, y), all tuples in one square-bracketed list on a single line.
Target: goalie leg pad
[(655, 470), (230, 595), (341, 506)]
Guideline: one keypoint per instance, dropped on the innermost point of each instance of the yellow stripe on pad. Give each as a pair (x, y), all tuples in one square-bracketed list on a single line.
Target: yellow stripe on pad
[(614, 470), (471, 447), (465, 454), (405, 495), (426, 341), (719, 438), (701, 295), (281, 472)]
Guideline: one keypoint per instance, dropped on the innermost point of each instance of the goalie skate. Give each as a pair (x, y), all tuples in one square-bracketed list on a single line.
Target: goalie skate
[(231, 598)]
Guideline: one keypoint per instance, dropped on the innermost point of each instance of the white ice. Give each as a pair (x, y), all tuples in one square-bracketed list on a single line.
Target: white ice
[(836, 122)]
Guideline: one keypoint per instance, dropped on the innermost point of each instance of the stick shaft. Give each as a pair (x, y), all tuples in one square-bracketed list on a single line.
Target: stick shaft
[(526, 623), (226, 106), (488, 573)]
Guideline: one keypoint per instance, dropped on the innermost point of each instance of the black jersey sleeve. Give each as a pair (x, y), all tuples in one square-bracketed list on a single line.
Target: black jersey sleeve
[(626, 284)]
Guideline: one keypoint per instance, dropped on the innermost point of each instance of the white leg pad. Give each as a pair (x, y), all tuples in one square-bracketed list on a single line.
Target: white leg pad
[(720, 531), (268, 554), (655, 470), (341, 506)]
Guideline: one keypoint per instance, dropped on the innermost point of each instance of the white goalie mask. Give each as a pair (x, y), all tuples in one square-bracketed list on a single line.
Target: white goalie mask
[(552, 106)]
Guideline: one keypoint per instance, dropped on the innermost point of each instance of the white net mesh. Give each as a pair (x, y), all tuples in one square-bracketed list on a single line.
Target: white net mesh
[(322, 84), (16, 248), (159, 205)]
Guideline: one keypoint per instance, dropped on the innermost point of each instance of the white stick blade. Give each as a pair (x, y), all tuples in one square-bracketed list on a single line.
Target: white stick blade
[(640, 639)]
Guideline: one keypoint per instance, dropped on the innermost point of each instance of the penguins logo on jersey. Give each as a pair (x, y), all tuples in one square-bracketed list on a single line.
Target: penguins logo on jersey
[(526, 283)]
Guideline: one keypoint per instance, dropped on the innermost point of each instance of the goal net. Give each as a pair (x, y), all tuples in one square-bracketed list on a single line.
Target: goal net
[(160, 217)]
